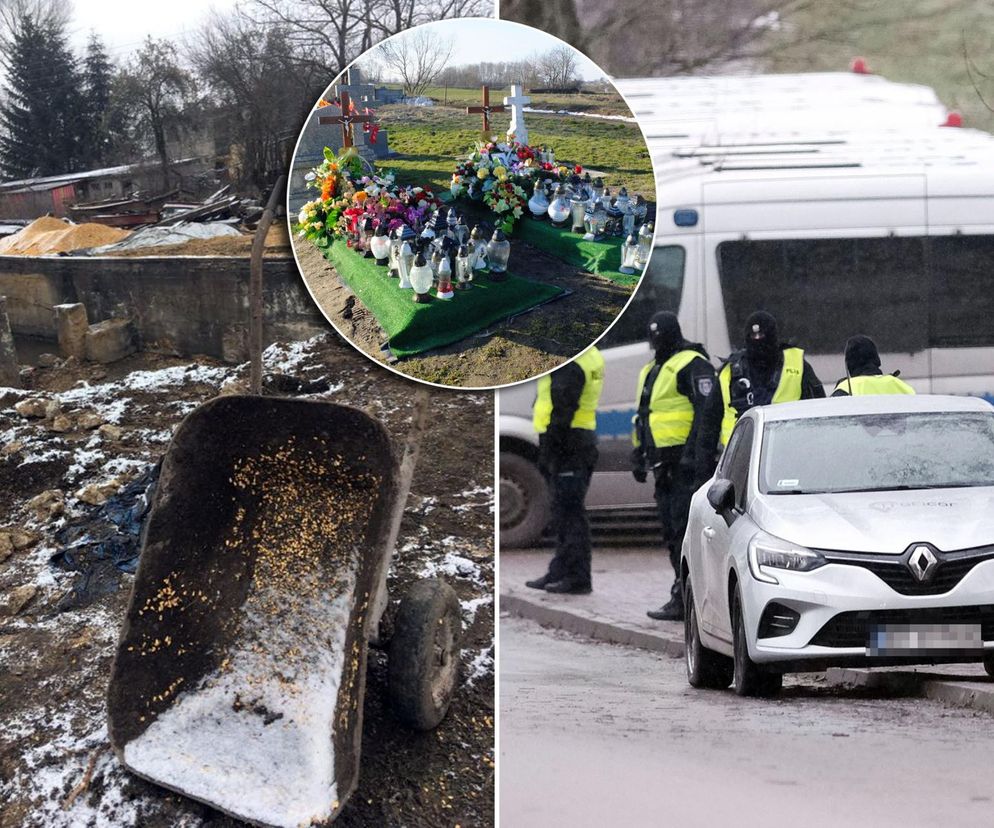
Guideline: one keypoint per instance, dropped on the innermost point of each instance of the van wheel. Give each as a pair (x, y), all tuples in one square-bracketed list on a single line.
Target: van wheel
[(705, 668), (524, 501), (989, 665), (748, 677)]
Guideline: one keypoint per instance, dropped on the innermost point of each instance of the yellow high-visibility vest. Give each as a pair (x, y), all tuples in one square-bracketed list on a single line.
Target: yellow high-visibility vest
[(671, 414), (874, 384), (592, 364), (788, 388)]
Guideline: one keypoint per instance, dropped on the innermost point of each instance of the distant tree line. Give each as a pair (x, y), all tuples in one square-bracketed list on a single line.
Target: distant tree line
[(252, 74), (556, 68)]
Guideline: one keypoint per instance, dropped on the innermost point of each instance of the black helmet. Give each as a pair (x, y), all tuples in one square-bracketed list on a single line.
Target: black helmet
[(861, 355), (761, 341), (664, 331)]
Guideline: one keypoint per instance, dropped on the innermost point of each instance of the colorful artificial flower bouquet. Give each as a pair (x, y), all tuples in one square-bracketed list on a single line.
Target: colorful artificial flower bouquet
[(347, 195), (502, 173)]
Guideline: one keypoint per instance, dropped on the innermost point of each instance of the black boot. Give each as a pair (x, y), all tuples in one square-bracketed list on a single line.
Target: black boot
[(538, 583), (567, 586), (672, 610)]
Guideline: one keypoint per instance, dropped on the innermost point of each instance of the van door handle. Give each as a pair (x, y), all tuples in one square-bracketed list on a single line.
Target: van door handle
[(708, 532)]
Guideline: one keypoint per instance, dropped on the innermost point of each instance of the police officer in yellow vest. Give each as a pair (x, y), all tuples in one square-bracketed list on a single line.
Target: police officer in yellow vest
[(564, 415), (766, 371), (671, 390), (863, 374)]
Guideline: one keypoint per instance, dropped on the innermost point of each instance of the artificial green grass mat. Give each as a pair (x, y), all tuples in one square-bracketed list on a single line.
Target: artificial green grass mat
[(600, 257), (413, 328)]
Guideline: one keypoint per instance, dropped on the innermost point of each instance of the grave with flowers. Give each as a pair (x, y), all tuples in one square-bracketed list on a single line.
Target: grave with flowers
[(434, 267)]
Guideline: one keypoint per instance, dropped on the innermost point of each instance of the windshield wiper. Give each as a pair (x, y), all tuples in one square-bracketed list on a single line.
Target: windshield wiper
[(902, 487)]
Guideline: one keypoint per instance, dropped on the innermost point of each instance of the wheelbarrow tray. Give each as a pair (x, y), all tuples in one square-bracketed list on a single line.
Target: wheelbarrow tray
[(240, 671)]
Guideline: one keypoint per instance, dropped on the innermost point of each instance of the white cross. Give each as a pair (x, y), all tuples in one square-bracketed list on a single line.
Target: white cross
[(517, 103)]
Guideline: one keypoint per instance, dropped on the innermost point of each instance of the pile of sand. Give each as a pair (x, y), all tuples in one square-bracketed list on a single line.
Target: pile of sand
[(52, 235)]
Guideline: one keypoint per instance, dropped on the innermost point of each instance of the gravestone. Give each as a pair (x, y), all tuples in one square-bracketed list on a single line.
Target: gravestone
[(517, 102), (364, 94), (310, 151)]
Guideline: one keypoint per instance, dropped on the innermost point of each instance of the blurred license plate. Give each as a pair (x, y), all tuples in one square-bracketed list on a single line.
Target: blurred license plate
[(934, 639)]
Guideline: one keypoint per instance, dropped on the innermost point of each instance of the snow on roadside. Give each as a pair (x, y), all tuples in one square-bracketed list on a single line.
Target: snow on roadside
[(624, 118)]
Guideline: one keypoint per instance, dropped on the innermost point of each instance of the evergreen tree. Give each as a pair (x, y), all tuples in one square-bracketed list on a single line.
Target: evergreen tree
[(42, 118), (98, 74)]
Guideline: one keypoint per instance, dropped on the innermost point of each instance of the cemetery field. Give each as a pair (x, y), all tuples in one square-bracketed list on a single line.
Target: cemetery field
[(430, 139), (587, 101)]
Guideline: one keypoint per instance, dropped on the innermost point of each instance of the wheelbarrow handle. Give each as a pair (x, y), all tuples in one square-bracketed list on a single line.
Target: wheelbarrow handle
[(405, 474)]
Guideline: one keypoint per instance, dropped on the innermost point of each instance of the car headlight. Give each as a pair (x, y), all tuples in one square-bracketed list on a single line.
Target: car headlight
[(769, 552)]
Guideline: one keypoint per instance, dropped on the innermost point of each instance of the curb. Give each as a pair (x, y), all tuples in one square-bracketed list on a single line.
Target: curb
[(581, 622), (976, 695)]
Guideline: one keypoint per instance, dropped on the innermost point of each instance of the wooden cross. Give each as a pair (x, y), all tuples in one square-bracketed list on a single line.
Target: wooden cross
[(486, 109), (346, 119)]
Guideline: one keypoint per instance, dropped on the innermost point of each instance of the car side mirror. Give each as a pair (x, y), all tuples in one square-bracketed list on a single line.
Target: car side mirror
[(721, 496)]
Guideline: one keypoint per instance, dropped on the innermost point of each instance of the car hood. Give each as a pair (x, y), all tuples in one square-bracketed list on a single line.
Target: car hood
[(882, 522)]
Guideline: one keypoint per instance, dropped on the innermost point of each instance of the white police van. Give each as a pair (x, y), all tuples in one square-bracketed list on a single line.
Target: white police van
[(875, 234)]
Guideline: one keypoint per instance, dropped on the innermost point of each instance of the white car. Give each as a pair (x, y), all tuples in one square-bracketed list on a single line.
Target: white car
[(845, 531)]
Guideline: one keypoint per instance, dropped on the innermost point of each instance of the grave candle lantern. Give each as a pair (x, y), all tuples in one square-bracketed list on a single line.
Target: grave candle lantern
[(538, 203), (380, 245), (421, 279), (577, 209), (365, 234), (406, 259), (462, 231), (478, 249), (646, 233), (498, 252), (621, 202), (629, 256), (444, 290), (464, 268), (559, 209)]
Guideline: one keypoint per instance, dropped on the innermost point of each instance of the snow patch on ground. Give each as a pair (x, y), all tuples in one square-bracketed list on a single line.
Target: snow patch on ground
[(287, 358), (624, 118), (472, 606), (83, 459), (453, 565), (479, 666)]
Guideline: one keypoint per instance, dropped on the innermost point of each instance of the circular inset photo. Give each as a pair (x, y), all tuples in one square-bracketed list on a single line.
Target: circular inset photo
[(472, 203)]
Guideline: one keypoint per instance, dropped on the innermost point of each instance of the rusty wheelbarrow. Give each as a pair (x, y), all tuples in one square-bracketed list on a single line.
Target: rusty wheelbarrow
[(240, 671)]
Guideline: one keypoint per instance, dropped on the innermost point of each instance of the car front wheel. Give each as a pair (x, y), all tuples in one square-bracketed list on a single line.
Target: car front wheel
[(705, 668), (748, 677)]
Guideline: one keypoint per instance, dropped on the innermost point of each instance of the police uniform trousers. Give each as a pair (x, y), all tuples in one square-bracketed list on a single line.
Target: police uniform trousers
[(568, 478), (673, 490)]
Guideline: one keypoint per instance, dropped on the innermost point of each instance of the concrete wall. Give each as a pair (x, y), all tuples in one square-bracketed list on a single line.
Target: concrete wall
[(181, 305)]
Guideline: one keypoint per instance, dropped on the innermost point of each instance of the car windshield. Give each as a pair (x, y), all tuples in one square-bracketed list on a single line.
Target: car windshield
[(878, 452)]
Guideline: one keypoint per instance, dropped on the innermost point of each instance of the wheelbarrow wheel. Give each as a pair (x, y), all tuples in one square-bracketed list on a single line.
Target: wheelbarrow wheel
[(424, 654)]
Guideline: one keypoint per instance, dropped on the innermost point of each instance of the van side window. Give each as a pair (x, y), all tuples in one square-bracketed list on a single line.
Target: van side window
[(962, 295), (823, 291), (660, 289)]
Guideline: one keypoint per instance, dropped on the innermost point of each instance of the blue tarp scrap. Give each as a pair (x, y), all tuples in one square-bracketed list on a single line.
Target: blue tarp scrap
[(105, 542)]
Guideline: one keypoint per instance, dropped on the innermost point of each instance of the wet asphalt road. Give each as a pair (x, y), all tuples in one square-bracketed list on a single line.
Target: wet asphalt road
[(593, 734)]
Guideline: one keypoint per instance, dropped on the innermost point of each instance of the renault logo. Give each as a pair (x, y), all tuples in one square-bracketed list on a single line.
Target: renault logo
[(921, 562)]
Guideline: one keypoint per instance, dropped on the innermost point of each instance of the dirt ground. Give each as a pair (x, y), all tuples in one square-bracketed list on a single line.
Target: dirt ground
[(517, 349), (54, 666)]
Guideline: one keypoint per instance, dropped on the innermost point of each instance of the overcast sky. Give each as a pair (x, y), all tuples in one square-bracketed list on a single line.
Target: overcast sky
[(478, 40), (124, 24)]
